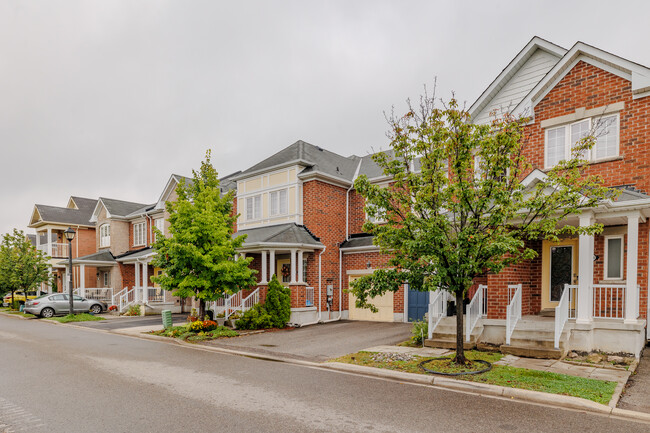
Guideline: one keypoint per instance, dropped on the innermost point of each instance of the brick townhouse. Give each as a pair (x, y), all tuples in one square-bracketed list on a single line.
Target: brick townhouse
[(303, 221)]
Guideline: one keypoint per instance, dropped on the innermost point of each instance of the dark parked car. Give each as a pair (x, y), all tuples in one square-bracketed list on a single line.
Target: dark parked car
[(59, 303)]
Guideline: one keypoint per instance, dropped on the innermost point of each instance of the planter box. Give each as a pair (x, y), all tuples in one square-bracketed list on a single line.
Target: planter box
[(221, 321)]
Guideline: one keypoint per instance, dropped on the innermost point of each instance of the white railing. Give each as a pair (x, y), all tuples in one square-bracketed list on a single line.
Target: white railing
[(104, 294), (129, 297), (437, 309), (309, 296), (233, 303), (562, 312), (250, 300), (513, 313), (608, 301), (156, 295), (474, 311), (116, 296), (485, 299), (59, 249)]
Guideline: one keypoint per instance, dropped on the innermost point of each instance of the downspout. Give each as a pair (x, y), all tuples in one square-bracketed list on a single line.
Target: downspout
[(320, 299)]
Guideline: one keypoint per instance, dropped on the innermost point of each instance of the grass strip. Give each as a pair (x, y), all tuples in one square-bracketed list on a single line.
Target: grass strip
[(183, 333), (599, 391), (20, 313), (83, 317)]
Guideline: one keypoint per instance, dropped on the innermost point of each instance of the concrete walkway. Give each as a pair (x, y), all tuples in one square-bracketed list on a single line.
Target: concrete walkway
[(637, 393)]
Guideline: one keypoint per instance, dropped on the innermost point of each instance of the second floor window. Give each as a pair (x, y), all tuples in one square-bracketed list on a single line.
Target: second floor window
[(378, 218), (139, 233), (278, 202), (254, 208), (105, 235), (160, 225), (561, 140)]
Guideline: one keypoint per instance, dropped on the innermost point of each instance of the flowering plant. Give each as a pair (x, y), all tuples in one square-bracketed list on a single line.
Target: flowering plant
[(285, 270), (112, 308)]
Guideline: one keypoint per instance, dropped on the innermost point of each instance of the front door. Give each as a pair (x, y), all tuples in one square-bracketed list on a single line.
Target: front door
[(418, 304), (559, 267)]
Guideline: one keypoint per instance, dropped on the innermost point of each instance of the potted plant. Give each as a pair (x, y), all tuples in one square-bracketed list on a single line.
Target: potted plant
[(234, 317), (221, 319), (193, 317)]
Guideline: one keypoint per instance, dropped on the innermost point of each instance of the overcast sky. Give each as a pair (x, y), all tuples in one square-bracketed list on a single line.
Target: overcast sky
[(108, 98)]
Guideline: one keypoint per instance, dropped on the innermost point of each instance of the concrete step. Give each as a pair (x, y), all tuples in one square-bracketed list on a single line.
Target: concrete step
[(539, 343), (532, 352), (448, 343)]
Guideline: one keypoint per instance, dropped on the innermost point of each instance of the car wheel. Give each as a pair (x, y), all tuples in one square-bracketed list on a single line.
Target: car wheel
[(47, 313), (96, 309)]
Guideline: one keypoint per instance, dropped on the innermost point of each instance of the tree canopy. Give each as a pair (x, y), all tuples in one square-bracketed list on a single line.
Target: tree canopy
[(198, 259), (22, 266), (460, 203)]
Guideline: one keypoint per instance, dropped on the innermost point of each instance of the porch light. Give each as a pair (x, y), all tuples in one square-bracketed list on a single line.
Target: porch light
[(69, 234)]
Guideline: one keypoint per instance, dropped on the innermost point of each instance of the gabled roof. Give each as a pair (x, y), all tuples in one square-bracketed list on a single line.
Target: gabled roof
[(290, 234), (43, 214), (512, 69), (637, 74), (225, 183), (315, 159), (116, 208), (82, 204)]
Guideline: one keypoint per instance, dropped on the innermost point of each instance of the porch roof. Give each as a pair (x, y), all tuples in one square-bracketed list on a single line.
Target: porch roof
[(359, 241), (290, 235), (101, 258), (133, 256)]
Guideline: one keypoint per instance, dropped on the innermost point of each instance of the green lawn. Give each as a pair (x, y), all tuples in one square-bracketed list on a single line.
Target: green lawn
[(20, 313), (83, 317), (591, 389)]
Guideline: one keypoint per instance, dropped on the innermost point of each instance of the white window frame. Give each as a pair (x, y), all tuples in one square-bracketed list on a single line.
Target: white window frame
[(256, 213), (606, 264), (274, 200), (105, 235), (374, 220), (568, 144), (159, 223), (139, 233)]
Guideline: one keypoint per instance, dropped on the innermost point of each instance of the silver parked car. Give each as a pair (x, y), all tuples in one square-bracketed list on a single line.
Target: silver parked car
[(59, 303)]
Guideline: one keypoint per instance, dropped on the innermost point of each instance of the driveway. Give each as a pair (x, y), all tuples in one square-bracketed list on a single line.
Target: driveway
[(130, 322), (319, 342)]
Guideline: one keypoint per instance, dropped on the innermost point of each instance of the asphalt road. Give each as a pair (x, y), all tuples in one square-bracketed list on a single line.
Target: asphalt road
[(68, 379)]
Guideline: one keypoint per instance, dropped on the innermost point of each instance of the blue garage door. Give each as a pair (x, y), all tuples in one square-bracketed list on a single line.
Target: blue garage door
[(418, 304)]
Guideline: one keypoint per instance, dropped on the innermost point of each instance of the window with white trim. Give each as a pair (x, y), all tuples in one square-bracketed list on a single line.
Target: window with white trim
[(278, 202), (104, 235), (253, 207), (139, 233), (379, 217), (561, 140), (159, 223), (614, 257)]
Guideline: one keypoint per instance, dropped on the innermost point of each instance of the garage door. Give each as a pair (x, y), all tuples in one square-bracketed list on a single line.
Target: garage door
[(383, 303)]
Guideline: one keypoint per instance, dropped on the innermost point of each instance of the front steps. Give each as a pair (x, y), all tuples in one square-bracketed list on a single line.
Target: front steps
[(533, 338), (444, 336)]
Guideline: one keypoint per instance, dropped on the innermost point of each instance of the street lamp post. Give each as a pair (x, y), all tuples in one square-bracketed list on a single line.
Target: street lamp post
[(69, 235)]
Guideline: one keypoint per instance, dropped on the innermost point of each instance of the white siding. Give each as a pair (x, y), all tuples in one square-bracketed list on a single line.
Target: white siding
[(522, 82)]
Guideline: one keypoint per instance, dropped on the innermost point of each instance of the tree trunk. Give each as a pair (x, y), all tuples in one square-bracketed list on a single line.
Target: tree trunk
[(201, 309), (460, 350), (12, 300)]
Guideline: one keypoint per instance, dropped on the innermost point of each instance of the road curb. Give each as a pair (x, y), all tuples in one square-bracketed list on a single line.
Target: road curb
[(16, 316)]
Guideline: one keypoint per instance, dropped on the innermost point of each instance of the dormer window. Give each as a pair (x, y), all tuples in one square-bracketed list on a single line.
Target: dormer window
[(104, 235), (139, 233), (561, 140)]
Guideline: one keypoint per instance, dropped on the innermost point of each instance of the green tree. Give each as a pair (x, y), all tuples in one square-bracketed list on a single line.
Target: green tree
[(22, 266), (198, 259), (278, 303), (466, 211)]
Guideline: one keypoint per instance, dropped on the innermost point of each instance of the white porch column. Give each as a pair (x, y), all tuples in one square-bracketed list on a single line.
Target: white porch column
[(585, 271), (145, 282), (300, 269), (631, 289), (82, 280), (49, 242), (38, 240), (264, 270), (293, 267), (137, 279), (272, 265)]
